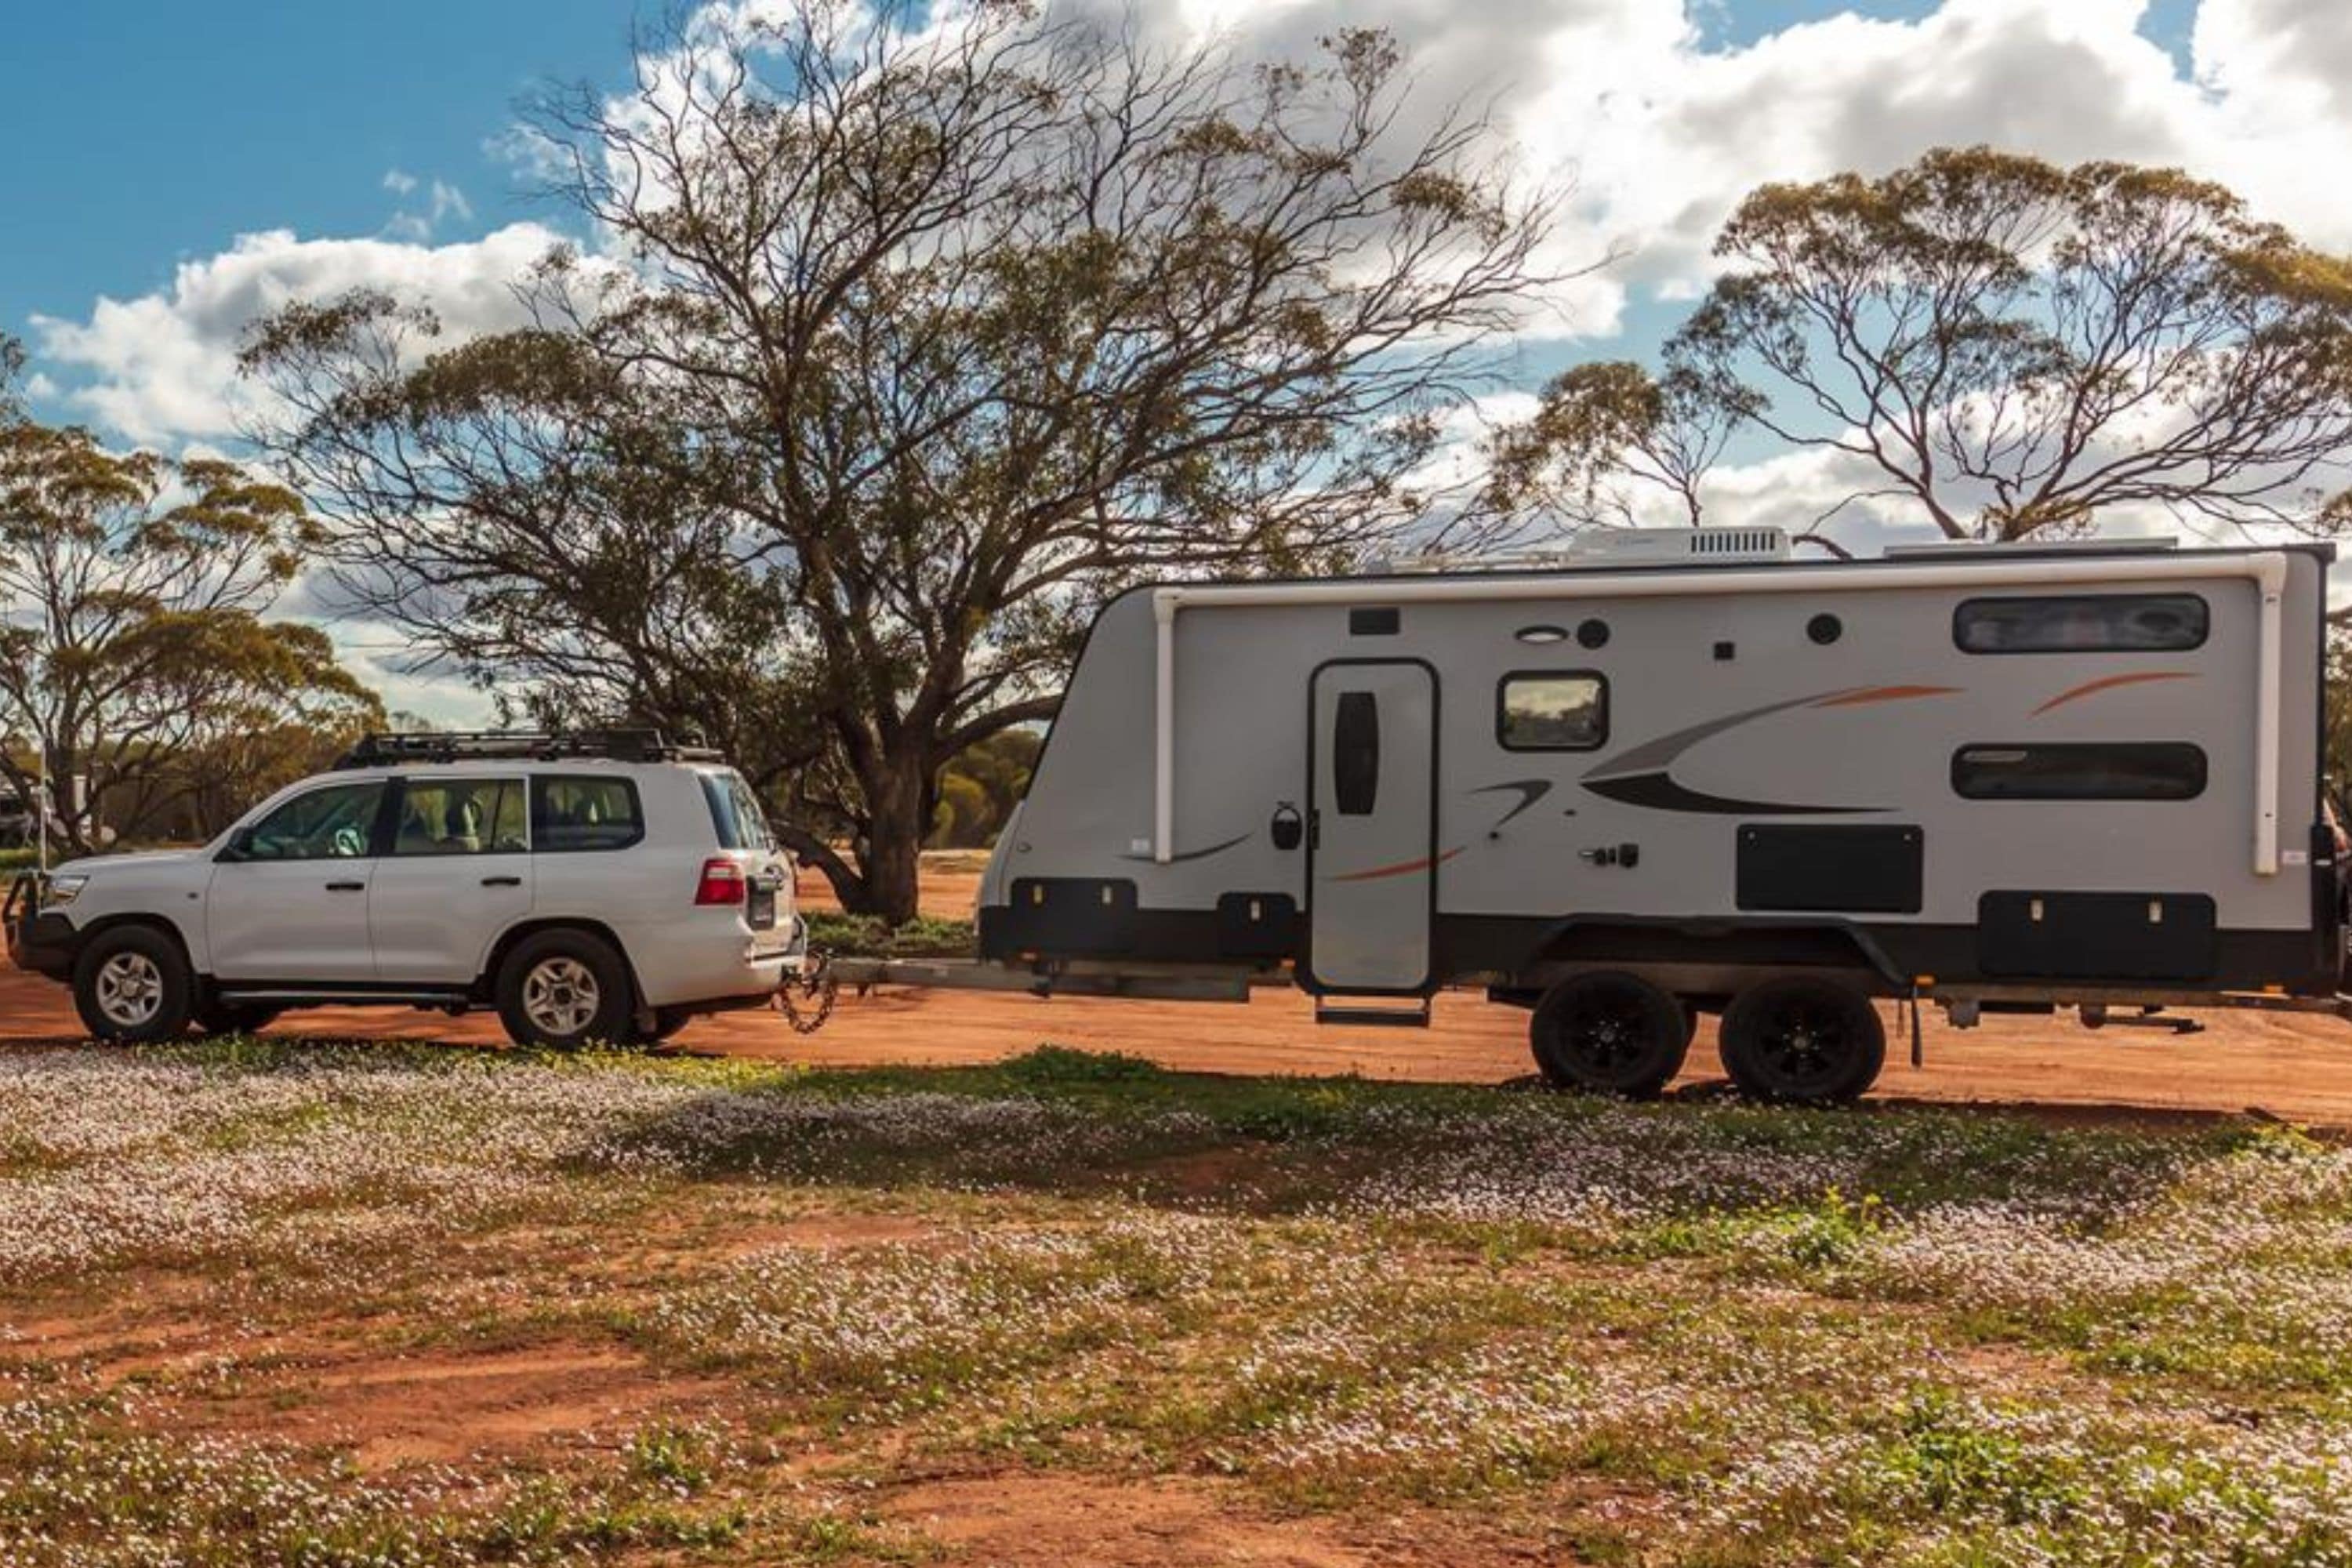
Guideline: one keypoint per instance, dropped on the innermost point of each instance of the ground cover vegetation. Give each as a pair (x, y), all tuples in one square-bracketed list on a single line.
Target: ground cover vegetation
[(261, 1303)]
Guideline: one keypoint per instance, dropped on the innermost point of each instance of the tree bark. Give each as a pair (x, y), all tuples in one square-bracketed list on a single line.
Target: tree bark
[(891, 866)]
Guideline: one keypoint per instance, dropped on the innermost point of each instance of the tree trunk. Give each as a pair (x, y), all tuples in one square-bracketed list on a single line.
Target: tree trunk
[(67, 817), (891, 864)]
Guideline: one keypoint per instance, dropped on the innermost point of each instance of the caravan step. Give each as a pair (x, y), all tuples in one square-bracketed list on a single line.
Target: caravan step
[(1412, 1017)]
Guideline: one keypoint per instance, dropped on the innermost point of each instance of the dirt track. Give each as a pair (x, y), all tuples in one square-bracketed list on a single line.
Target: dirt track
[(2291, 1067)]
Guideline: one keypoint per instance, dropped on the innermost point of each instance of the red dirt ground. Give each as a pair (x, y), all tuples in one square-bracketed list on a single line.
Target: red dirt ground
[(2296, 1068)]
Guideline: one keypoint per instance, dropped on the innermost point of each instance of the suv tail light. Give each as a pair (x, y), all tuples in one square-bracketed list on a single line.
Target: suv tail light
[(722, 883)]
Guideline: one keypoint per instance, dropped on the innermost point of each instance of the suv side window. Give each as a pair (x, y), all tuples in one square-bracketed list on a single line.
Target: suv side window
[(574, 813), (337, 822), (460, 816)]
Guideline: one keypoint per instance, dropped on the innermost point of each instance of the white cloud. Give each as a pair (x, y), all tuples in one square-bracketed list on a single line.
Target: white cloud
[(443, 201), (161, 368), (1664, 132)]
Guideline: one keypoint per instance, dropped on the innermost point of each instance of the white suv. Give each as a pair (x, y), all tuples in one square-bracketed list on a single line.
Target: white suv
[(593, 887)]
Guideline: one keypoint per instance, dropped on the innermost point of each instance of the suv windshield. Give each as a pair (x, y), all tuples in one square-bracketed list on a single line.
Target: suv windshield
[(735, 812)]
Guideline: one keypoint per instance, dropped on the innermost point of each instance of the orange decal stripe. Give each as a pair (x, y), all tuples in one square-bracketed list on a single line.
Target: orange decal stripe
[(1883, 694), (2106, 683), (1402, 867)]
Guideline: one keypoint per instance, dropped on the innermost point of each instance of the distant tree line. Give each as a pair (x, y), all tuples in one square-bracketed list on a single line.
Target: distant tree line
[(138, 673)]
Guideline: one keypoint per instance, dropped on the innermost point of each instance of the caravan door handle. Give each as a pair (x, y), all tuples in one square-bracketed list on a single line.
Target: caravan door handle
[(347, 886), (502, 881)]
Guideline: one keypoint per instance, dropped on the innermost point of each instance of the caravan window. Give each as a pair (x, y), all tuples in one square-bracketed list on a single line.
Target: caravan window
[(2107, 770), (2081, 623), (1544, 711), (1355, 754)]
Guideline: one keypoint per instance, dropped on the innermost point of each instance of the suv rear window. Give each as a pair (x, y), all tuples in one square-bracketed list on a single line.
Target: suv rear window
[(570, 814), (735, 813)]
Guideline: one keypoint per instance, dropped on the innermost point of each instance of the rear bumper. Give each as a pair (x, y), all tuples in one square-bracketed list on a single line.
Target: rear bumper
[(688, 969)]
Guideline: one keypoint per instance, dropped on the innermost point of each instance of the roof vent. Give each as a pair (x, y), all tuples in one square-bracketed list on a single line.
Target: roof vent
[(1678, 546)]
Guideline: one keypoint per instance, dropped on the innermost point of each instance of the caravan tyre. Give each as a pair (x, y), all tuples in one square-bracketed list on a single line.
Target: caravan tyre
[(1801, 1041), (1609, 1033)]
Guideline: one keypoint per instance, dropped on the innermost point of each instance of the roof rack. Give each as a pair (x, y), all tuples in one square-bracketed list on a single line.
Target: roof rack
[(378, 751)]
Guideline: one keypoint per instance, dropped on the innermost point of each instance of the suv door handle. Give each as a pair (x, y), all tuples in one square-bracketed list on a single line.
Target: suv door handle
[(347, 886), (502, 881)]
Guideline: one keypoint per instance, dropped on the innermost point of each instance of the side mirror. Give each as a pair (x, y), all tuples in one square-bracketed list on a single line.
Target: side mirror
[(239, 846)]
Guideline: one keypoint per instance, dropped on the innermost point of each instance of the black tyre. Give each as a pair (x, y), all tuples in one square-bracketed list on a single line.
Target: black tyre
[(132, 984), (1609, 1033), (218, 1017), (1802, 1041), (564, 989)]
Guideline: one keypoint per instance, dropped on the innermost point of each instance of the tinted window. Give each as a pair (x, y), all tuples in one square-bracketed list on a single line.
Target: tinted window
[(2081, 623), (735, 814), (1355, 754), (1552, 713), (568, 814), (331, 824), (459, 816), (2137, 770)]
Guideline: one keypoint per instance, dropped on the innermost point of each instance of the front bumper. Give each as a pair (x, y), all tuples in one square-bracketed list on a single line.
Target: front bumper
[(39, 941)]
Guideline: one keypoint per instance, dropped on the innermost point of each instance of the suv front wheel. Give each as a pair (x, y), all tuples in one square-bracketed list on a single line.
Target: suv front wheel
[(133, 985), (563, 989)]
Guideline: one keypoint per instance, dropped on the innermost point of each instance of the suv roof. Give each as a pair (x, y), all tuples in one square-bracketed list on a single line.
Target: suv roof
[(377, 751)]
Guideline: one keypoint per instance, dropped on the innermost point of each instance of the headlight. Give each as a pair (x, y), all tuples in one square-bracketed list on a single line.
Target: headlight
[(62, 891)]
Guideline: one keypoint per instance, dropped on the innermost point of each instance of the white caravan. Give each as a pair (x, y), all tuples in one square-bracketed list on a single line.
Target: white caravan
[(1679, 771)]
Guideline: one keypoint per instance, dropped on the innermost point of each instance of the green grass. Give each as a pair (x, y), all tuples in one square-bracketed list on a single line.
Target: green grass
[(870, 936), (1527, 1324)]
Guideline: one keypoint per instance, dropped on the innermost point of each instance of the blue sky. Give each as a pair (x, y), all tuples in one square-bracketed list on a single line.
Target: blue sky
[(268, 115), (213, 120), (173, 170)]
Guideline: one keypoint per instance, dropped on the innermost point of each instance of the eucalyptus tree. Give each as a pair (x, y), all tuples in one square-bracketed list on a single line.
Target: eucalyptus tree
[(2003, 347), (903, 339), (132, 589)]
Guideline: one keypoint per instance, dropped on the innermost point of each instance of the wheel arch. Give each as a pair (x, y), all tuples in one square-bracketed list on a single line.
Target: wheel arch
[(1689, 950), (147, 919), (486, 983)]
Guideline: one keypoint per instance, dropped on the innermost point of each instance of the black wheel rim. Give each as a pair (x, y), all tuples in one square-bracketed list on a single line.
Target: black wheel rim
[(1805, 1046), (1605, 1037)]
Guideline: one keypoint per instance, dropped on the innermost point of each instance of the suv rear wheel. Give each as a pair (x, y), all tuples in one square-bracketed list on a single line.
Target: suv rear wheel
[(133, 985), (564, 989)]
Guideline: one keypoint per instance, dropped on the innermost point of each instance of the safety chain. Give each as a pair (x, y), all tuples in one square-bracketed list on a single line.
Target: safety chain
[(806, 999)]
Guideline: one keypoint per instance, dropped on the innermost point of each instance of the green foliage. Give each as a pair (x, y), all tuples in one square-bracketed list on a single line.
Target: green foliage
[(980, 788), (1059, 1067), (142, 665), (870, 936), (1983, 332)]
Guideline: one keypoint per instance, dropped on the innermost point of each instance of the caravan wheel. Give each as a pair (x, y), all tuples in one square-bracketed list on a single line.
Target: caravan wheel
[(1802, 1041), (1609, 1033)]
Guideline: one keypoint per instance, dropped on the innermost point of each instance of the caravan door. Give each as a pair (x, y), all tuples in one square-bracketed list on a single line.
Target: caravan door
[(1371, 851)]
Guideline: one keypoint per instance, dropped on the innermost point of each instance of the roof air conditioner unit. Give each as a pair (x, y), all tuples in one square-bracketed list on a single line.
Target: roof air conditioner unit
[(1678, 546)]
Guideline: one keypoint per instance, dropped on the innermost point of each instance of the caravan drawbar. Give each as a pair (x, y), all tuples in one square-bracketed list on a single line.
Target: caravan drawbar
[(1679, 773)]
